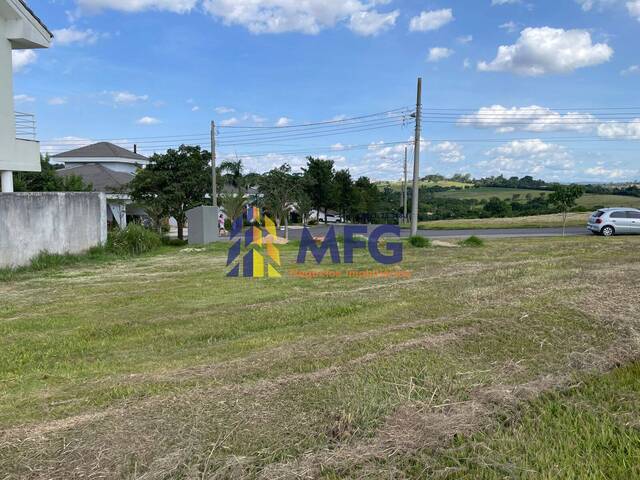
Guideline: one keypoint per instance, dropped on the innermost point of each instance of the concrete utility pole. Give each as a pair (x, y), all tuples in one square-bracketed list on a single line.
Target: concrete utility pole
[(404, 186), (416, 162), (214, 194)]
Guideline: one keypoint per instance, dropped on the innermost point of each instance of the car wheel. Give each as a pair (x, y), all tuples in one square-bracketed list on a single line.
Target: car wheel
[(608, 231)]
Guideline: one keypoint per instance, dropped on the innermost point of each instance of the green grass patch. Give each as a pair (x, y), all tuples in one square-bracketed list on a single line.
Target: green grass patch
[(472, 241), (589, 431), (419, 242)]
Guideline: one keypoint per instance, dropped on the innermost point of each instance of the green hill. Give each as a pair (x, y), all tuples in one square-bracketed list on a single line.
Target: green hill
[(589, 200)]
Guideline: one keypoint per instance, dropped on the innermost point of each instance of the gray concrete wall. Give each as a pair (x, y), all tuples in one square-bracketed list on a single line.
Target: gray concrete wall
[(31, 223)]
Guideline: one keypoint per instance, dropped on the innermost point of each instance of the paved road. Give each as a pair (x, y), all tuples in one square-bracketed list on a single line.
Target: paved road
[(296, 233)]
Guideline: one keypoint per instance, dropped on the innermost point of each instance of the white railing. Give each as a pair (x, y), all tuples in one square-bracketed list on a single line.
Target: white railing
[(25, 126)]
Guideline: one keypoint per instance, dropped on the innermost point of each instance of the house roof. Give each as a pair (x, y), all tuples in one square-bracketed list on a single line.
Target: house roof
[(24, 4), (102, 179), (102, 150)]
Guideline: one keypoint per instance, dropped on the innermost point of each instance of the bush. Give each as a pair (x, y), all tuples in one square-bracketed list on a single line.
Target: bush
[(419, 242), (133, 240), (472, 241), (174, 242)]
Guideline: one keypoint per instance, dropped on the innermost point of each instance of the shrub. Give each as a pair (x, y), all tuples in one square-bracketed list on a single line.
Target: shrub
[(419, 242), (174, 242), (133, 240), (472, 241)]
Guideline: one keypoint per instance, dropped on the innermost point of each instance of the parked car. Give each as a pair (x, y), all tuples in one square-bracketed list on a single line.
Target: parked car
[(332, 217), (615, 221)]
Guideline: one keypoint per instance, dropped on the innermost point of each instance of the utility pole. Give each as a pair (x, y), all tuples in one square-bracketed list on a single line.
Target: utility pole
[(404, 186), (416, 163), (214, 191)]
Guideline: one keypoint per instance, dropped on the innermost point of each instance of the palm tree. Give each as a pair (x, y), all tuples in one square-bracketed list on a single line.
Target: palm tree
[(232, 173), (233, 205)]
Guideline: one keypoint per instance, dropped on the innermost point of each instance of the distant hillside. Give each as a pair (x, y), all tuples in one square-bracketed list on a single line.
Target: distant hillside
[(589, 200), (423, 183)]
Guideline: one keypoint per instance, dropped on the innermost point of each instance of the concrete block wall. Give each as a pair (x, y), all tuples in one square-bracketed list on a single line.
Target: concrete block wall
[(31, 223)]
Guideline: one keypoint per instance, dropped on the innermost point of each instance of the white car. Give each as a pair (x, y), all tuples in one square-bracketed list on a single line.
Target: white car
[(615, 221)]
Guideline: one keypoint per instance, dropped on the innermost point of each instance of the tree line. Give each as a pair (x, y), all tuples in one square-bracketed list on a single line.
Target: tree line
[(180, 179)]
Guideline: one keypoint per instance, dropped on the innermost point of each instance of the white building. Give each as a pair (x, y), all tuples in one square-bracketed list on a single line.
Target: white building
[(19, 29), (107, 168), (106, 154)]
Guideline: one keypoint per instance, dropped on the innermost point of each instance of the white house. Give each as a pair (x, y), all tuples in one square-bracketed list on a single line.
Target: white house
[(19, 152), (108, 155), (109, 169)]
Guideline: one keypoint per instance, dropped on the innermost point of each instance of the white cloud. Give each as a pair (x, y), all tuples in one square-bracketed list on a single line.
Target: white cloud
[(71, 35), (466, 64), (127, 97), (510, 26), (63, 144), (283, 122), (308, 16), (22, 98), (368, 23), (229, 122), (588, 5), (148, 121), (224, 110), (22, 58), (527, 157), (254, 118), (504, 2), (545, 50), (439, 53), (337, 147), (633, 6), (465, 40), (634, 9), (449, 152), (633, 69), (531, 119), (618, 130), (601, 171), (431, 20), (195, 108), (57, 101), (176, 6)]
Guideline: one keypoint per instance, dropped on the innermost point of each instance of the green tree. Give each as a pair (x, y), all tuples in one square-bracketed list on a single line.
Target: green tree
[(496, 207), (233, 204), (46, 180), (318, 177), (565, 197), (367, 197), (343, 192), (174, 183), (278, 188), (232, 174), (304, 204)]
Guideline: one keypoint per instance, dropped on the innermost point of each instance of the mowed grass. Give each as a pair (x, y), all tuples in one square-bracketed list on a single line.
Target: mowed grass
[(534, 221), (160, 367), (589, 200)]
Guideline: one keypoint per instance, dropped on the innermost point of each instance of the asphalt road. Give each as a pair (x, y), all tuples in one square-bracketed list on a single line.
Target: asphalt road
[(320, 230)]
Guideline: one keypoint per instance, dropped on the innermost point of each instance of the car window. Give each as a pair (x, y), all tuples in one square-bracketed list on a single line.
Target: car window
[(619, 215), (634, 215)]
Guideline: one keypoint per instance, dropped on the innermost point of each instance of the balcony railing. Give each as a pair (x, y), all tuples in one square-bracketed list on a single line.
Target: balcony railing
[(25, 126)]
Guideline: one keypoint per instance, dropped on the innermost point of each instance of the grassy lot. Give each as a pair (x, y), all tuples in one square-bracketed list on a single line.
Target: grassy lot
[(536, 221), (589, 200), (159, 367)]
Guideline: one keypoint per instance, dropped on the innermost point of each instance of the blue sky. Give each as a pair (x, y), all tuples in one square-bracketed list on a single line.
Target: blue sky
[(546, 88)]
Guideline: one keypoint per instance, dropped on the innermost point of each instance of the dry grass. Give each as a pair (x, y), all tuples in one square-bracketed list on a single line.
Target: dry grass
[(161, 368)]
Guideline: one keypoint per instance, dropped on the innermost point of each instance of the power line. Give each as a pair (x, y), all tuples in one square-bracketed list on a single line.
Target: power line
[(341, 120)]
